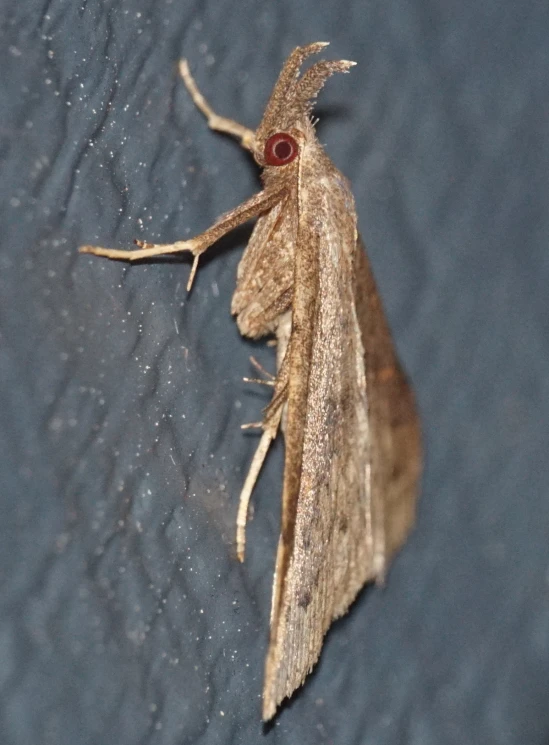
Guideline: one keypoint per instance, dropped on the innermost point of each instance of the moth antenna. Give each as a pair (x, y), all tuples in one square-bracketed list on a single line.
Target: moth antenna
[(308, 88), (287, 78)]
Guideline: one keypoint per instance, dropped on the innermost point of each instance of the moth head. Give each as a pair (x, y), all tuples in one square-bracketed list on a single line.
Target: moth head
[(286, 124)]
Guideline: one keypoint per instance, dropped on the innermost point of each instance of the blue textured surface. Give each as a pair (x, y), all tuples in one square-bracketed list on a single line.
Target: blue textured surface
[(125, 617)]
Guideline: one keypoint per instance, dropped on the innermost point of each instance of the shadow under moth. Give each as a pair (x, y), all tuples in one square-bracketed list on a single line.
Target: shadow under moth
[(340, 397)]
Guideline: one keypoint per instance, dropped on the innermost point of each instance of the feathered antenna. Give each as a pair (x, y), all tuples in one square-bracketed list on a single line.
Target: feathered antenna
[(292, 97), (287, 78), (308, 88)]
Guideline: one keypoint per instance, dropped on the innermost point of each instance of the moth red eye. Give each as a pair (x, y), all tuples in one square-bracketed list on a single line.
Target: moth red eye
[(280, 149)]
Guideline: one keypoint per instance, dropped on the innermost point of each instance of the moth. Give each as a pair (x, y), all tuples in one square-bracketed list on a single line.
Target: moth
[(340, 397)]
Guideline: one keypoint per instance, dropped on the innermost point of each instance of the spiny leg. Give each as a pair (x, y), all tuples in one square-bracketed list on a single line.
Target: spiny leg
[(269, 379), (147, 250), (252, 207), (271, 423), (216, 122)]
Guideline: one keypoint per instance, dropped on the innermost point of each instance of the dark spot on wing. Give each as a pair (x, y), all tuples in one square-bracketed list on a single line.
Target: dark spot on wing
[(304, 599)]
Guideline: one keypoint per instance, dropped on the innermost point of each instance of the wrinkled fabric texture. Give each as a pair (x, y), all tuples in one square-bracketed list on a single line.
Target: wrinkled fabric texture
[(125, 617)]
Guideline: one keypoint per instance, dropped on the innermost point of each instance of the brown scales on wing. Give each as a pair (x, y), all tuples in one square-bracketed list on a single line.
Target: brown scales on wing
[(352, 441)]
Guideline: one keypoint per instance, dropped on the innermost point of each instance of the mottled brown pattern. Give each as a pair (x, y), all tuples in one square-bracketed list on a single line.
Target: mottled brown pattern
[(352, 439)]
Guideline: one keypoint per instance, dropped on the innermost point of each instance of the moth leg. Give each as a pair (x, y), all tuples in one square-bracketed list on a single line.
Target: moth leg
[(266, 373), (271, 422), (269, 433), (252, 207), (258, 381), (269, 379), (252, 425), (215, 122), (148, 250)]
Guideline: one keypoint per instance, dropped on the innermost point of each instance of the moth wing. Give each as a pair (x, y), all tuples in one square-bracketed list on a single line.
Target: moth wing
[(358, 469), (265, 272), (395, 433)]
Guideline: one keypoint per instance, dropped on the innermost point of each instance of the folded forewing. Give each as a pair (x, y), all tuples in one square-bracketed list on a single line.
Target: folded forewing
[(354, 472)]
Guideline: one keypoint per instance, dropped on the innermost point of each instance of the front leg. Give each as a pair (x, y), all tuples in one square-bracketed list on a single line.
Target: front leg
[(215, 122), (252, 207)]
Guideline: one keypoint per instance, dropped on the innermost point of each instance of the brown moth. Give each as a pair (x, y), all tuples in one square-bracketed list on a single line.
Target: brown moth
[(352, 437)]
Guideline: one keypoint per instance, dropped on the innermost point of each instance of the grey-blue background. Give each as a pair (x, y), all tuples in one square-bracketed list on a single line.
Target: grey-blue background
[(125, 616)]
